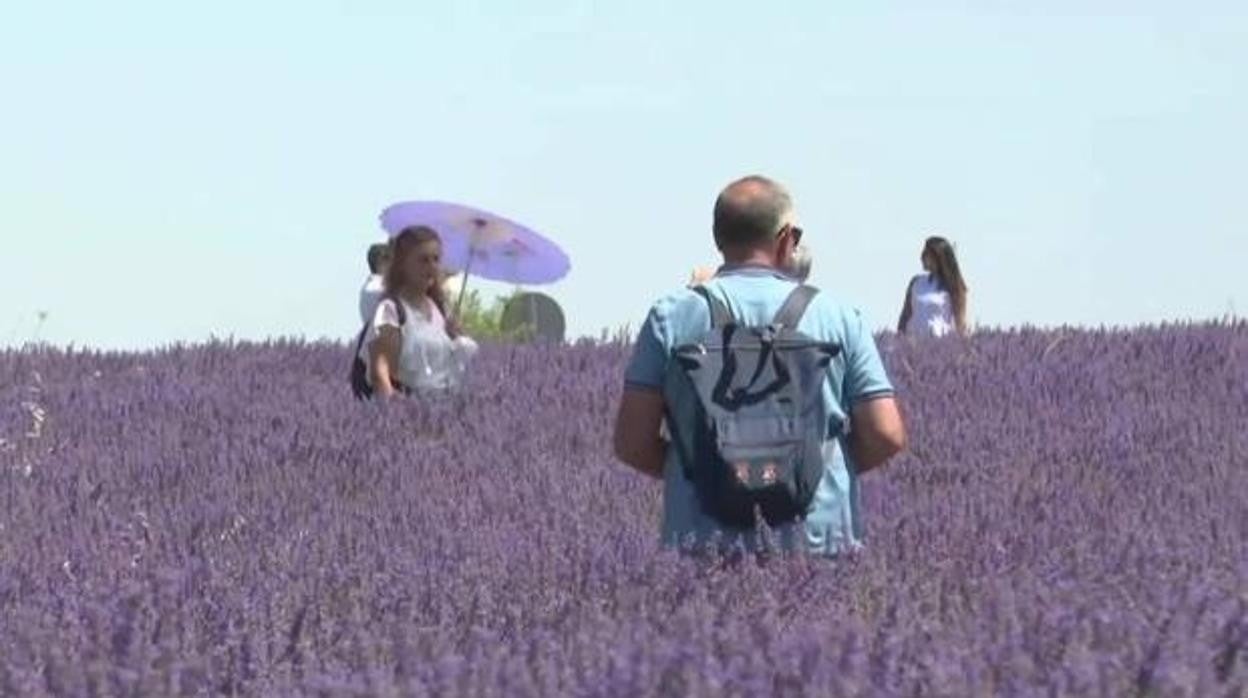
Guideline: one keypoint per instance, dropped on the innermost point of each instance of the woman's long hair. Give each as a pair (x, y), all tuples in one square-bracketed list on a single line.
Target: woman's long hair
[(403, 244), (945, 268)]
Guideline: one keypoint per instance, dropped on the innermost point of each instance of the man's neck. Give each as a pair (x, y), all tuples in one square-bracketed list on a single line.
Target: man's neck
[(758, 258)]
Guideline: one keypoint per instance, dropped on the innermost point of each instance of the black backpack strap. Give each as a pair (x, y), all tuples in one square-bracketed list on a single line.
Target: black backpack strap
[(790, 314), (402, 313), (720, 315), (400, 310)]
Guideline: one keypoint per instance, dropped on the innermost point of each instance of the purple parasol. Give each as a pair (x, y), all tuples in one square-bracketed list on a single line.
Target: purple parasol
[(482, 243)]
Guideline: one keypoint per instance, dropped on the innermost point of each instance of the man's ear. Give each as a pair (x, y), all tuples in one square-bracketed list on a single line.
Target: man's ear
[(783, 251)]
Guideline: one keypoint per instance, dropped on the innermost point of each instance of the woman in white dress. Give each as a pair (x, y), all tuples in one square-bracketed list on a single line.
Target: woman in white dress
[(411, 345), (935, 302)]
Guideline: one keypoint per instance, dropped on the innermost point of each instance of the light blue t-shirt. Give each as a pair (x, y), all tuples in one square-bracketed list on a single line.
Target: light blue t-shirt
[(754, 294)]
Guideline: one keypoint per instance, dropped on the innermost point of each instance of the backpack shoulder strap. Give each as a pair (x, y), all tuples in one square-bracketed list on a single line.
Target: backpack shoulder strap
[(399, 308), (790, 314), (359, 339), (720, 315)]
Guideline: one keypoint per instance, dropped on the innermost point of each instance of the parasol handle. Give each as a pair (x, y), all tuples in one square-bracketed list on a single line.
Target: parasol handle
[(472, 248), (463, 287)]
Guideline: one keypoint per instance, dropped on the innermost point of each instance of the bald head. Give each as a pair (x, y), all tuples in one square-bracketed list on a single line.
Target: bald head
[(749, 212)]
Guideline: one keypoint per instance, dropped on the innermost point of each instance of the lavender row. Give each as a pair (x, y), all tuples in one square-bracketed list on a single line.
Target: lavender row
[(226, 520)]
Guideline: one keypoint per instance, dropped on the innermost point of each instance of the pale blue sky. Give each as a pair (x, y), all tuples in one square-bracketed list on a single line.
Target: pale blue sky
[(173, 171)]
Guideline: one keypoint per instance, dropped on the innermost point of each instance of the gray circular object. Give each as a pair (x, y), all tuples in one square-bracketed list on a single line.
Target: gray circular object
[(534, 315)]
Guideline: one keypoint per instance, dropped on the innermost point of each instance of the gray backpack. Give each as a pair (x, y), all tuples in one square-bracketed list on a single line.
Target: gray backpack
[(756, 444)]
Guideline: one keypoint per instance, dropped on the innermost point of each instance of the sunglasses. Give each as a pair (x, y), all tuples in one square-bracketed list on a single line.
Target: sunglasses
[(794, 231)]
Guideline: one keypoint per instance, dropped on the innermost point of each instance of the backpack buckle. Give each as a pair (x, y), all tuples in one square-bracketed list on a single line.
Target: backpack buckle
[(742, 470), (770, 473)]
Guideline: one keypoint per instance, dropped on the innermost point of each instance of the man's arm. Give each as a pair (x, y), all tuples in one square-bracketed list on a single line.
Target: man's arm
[(700, 276), (636, 439), (877, 432)]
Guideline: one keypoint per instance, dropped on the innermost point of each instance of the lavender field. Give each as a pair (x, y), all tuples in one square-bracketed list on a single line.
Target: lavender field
[(226, 520)]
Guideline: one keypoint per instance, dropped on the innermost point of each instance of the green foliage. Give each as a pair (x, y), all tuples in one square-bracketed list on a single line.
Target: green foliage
[(483, 322)]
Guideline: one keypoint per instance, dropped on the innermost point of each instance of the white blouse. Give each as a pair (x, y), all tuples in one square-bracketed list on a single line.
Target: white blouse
[(428, 359), (931, 308)]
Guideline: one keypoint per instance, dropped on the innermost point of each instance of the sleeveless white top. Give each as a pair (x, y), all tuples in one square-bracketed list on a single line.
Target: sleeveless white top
[(931, 308), (429, 359)]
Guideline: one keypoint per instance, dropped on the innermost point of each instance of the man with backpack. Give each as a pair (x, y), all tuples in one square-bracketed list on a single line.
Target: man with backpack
[(374, 286), (773, 394)]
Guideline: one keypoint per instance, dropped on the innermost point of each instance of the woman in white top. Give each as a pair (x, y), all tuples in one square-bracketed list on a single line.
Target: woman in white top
[(935, 302), (418, 348)]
